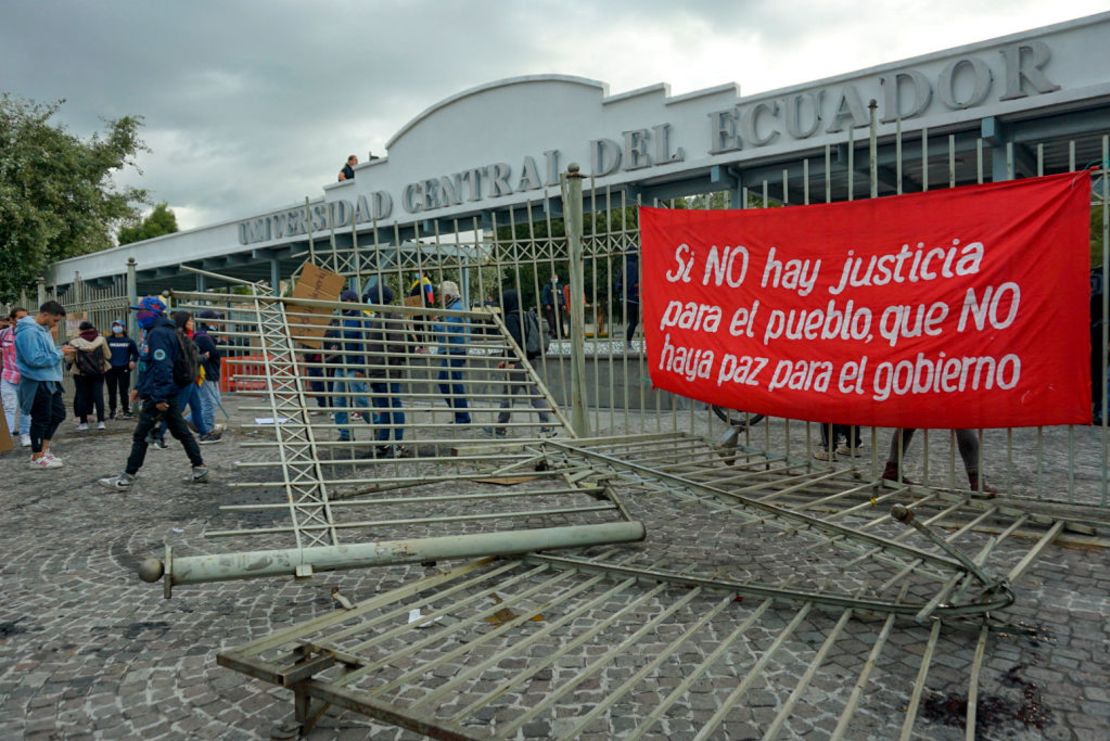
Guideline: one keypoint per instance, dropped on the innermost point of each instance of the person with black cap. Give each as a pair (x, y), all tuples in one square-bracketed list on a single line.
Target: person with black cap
[(125, 353), (156, 394), (385, 358), (91, 361)]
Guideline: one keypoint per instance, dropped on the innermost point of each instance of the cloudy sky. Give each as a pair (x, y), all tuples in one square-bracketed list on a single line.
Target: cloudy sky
[(253, 105)]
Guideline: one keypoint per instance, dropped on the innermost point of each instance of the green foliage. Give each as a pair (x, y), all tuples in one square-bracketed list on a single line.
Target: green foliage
[(161, 220), (57, 198)]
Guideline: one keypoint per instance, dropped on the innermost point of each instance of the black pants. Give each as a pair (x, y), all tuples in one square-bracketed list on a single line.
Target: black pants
[(850, 434), (149, 418), (89, 394), (47, 412), (119, 382), (633, 310)]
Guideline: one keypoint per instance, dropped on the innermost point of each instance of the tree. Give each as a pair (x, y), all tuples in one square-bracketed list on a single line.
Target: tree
[(161, 220), (57, 198)]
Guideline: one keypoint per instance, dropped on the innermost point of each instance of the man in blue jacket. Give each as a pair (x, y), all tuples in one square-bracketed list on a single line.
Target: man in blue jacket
[(452, 335), (40, 379), (156, 393), (350, 378)]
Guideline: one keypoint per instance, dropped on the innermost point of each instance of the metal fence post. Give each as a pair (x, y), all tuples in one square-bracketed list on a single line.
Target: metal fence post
[(572, 210), (132, 298), (41, 291)]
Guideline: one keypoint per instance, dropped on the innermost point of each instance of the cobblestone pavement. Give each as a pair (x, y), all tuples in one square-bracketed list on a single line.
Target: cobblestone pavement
[(88, 649)]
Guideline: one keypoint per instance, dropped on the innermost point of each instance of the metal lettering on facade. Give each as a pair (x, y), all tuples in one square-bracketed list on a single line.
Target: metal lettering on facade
[(963, 82)]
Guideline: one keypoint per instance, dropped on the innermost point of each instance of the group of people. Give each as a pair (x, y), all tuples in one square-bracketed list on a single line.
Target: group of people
[(363, 361), (178, 367)]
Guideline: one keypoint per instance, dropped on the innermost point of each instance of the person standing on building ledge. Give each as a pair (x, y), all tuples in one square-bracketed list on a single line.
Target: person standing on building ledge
[(452, 336), (40, 379), (9, 385), (348, 171), (156, 393)]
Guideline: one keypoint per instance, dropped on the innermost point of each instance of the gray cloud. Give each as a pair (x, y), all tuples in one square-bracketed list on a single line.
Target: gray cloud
[(251, 105)]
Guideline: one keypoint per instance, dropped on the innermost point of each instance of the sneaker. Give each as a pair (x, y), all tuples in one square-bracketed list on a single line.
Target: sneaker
[(122, 482), (45, 462), (82, 427), (891, 473), (50, 456), (847, 452), (385, 451), (494, 431), (824, 454), (981, 488), (547, 431), (199, 475), (128, 415), (158, 443), (100, 426), (219, 429), (210, 439), (25, 441)]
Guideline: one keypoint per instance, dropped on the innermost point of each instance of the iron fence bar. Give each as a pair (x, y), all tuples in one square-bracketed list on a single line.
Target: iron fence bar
[(785, 514), (919, 682), (612, 696), (753, 673), (553, 696), (973, 684), (698, 671)]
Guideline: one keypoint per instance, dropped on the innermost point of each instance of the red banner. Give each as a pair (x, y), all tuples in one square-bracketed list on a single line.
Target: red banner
[(966, 307)]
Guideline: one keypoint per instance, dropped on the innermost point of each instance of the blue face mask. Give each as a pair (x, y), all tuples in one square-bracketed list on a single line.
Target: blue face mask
[(117, 329)]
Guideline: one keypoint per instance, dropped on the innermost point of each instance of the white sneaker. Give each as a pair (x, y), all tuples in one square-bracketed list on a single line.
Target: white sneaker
[(45, 462), (121, 482), (82, 427), (100, 426), (25, 441), (53, 457)]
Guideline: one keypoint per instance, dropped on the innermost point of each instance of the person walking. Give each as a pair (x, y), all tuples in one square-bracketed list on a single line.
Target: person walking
[(209, 390), (452, 334), (349, 382), (40, 379), (521, 326), (125, 353), (156, 394), (9, 381), (628, 292), (553, 303), (188, 395), (385, 359), (90, 363)]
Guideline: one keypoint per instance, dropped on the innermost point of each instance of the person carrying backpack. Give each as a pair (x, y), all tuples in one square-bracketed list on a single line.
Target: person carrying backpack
[(156, 394), (524, 328), (91, 361), (188, 374)]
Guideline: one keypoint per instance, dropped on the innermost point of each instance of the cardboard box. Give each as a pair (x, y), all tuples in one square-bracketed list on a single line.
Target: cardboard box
[(319, 284)]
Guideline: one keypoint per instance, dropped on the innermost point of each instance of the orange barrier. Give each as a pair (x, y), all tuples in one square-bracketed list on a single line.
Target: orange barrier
[(233, 370)]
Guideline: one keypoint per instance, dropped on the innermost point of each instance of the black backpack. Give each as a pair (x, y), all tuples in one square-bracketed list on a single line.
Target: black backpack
[(89, 362), (536, 341), (186, 362)]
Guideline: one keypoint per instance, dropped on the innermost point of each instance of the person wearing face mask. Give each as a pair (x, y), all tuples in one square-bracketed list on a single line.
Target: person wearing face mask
[(125, 353)]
